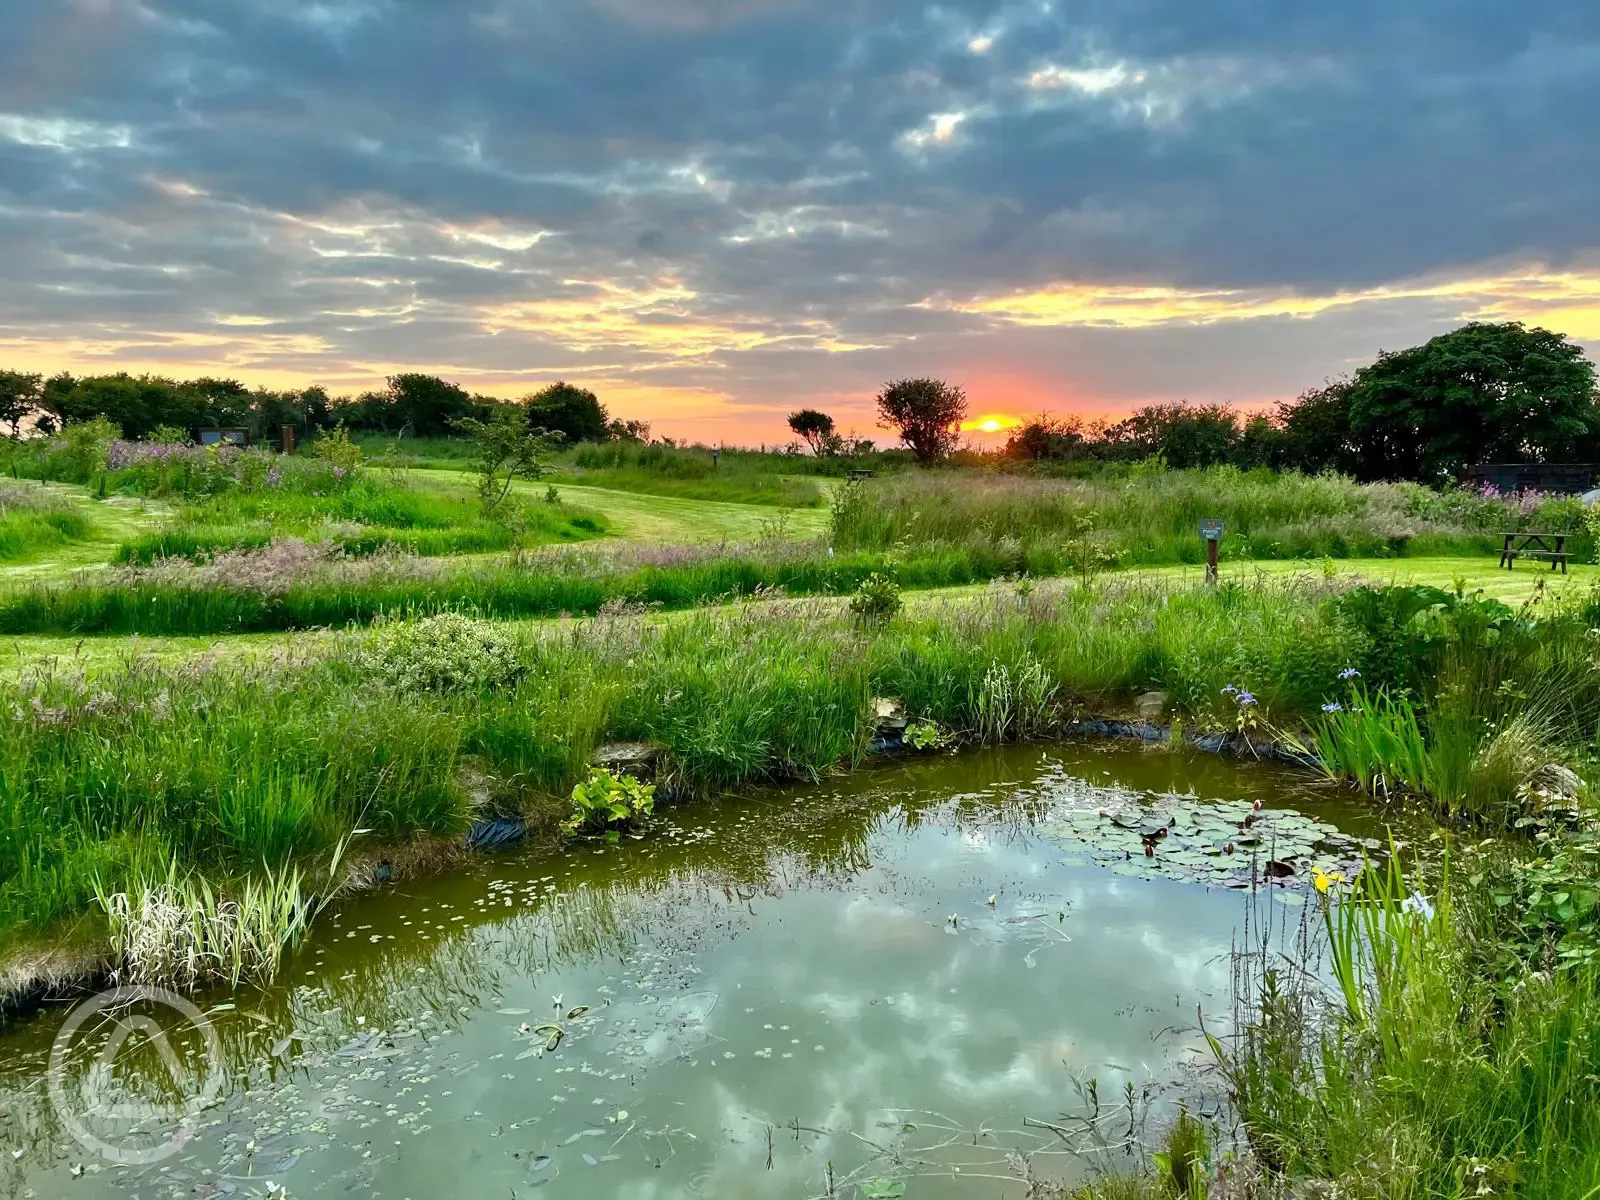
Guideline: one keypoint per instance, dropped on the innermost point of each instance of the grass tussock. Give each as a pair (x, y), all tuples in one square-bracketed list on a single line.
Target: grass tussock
[(180, 931), (34, 522)]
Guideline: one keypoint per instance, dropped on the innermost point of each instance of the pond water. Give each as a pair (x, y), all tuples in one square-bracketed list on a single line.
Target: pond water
[(879, 983)]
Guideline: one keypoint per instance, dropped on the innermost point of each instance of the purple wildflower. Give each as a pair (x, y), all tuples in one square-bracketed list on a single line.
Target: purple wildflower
[(1333, 708), (1246, 699), (1230, 690), (1349, 673)]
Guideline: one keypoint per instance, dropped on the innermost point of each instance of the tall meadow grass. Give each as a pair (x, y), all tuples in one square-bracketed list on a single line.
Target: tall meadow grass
[(1425, 1070), (1152, 516)]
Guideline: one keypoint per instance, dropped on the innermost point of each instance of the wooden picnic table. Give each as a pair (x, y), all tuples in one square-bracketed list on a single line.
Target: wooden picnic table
[(1535, 545)]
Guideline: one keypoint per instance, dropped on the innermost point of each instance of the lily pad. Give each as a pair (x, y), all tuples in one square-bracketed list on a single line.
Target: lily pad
[(1223, 843)]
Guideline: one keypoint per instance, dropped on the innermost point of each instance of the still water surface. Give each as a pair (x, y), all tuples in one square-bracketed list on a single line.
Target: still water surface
[(883, 977)]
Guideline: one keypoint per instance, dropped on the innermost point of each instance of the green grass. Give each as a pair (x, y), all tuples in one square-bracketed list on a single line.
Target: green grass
[(35, 522), (374, 512), (207, 602), (283, 758), (689, 474), (449, 453)]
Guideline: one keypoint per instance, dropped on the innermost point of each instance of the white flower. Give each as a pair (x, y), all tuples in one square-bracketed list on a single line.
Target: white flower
[(1419, 904)]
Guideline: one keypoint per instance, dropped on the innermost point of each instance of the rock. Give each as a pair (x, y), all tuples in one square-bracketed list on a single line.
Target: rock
[(889, 715), (888, 726), (1557, 784), (628, 758), (1151, 706)]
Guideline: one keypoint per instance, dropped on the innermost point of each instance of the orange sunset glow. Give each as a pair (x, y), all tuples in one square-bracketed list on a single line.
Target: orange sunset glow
[(710, 264)]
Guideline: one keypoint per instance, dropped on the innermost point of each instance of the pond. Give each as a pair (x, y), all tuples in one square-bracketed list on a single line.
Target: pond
[(887, 984)]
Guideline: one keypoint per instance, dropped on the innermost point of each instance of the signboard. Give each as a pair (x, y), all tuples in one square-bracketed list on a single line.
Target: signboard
[(1211, 530)]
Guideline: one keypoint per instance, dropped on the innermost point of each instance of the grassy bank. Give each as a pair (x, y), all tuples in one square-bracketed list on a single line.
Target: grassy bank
[(287, 755), (214, 763), (368, 515), (231, 499)]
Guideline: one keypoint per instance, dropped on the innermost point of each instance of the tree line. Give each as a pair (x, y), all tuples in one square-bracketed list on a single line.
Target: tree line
[(413, 404), (1481, 393)]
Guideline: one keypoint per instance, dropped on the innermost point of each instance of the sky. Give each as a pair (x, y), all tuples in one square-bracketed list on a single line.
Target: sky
[(712, 212)]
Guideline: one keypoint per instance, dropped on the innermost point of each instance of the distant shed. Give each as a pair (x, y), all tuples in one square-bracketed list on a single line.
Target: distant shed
[(1562, 478), (224, 437)]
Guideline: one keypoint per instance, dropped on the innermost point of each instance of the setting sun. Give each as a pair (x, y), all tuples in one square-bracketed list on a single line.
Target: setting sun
[(990, 423)]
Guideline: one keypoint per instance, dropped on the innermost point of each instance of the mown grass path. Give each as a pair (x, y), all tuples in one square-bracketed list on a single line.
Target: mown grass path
[(115, 519)]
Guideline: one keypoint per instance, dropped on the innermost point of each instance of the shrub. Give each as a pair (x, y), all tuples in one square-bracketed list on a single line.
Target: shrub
[(443, 653), (337, 450), (877, 599)]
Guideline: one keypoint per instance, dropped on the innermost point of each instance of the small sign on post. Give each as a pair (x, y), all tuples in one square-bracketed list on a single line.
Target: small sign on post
[(1212, 532)]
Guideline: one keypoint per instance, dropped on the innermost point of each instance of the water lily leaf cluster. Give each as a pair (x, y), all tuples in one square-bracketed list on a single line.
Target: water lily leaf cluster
[(1226, 843)]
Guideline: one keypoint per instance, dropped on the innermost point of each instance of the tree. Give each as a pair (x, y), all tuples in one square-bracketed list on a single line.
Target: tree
[(1185, 435), (926, 413), (1260, 444), (1047, 437), (574, 412), (426, 404), (628, 431), (1481, 393), (1316, 432), (506, 450), (815, 427), (20, 394), (135, 404)]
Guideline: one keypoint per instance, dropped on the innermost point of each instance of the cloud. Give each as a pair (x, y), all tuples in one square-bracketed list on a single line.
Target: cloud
[(775, 200)]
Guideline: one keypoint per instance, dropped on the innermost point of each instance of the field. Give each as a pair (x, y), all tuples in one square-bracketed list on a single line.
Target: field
[(268, 654)]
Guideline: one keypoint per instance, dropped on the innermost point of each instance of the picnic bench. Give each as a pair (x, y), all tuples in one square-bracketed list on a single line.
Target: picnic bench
[(1535, 545), (858, 475)]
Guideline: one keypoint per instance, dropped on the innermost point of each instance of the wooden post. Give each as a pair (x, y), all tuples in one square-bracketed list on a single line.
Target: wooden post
[(288, 439), (1212, 532)]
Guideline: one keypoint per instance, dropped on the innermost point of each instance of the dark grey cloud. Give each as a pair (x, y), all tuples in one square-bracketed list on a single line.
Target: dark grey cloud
[(373, 172)]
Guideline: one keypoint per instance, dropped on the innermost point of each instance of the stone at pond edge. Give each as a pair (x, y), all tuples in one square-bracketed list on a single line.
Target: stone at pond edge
[(888, 725), (1151, 706), (638, 759), (1556, 783)]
